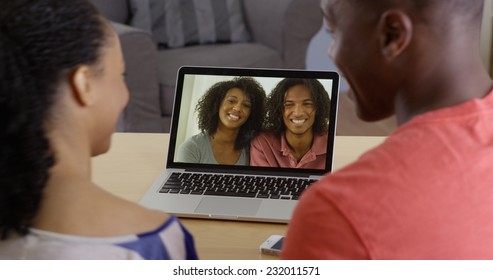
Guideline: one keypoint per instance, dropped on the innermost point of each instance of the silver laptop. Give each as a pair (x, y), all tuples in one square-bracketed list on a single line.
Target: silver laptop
[(233, 192)]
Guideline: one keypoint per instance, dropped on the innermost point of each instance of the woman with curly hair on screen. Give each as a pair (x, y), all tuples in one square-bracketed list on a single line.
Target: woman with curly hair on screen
[(230, 114), (62, 89)]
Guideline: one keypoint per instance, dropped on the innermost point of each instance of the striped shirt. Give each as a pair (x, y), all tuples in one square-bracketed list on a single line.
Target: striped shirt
[(170, 241)]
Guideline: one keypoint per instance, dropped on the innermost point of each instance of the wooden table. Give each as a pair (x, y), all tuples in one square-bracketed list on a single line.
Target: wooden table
[(136, 159)]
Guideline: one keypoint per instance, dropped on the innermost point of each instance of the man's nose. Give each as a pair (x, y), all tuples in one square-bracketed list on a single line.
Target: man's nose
[(298, 109)]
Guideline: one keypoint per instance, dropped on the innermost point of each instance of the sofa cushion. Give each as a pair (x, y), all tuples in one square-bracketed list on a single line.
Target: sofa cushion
[(140, 10), (202, 22), (177, 23), (148, 15), (226, 55)]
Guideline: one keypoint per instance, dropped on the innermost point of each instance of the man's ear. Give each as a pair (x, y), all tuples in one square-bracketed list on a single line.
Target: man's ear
[(82, 86), (396, 31)]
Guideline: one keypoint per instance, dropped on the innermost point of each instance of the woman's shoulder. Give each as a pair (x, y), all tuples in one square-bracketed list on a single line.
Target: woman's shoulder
[(144, 220), (195, 149), (197, 139), (167, 240), (170, 240)]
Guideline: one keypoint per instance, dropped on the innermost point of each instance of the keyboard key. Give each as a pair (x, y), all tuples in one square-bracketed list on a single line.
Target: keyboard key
[(173, 186), (230, 194), (196, 192)]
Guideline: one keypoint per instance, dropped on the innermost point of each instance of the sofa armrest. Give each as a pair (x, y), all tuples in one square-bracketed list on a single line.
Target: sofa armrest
[(284, 25), (143, 112)]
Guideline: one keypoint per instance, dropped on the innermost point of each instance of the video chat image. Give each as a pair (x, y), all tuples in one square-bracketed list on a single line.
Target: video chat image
[(268, 121)]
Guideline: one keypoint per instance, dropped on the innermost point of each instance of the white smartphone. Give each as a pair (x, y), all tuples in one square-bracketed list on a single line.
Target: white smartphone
[(272, 245)]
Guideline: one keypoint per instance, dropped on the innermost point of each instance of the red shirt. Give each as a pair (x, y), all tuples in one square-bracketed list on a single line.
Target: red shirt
[(425, 193), (269, 150)]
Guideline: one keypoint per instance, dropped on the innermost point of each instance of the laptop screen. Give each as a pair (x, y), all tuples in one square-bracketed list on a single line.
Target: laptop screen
[(271, 121)]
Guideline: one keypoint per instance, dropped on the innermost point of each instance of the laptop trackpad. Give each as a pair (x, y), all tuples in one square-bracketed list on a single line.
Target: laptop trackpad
[(228, 206)]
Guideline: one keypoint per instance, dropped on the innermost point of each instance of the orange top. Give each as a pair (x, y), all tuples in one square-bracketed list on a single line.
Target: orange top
[(269, 150), (425, 193)]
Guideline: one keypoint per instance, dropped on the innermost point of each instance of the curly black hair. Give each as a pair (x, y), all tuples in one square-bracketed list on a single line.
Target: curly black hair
[(275, 105), (41, 43), (208, 108)]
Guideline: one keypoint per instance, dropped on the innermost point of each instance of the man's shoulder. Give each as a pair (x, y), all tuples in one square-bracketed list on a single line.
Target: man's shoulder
[(380, 163), (265, 136), (267, 133), (320, 141), (398, 162)]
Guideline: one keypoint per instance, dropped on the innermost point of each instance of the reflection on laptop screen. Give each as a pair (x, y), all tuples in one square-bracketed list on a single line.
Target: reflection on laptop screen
[(254, 119)]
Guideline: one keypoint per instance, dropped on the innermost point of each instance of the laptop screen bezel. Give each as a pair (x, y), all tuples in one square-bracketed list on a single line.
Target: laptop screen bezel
[(254, 72)]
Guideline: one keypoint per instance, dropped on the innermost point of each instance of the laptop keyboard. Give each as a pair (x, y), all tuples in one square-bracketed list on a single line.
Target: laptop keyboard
[(236, 185)]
